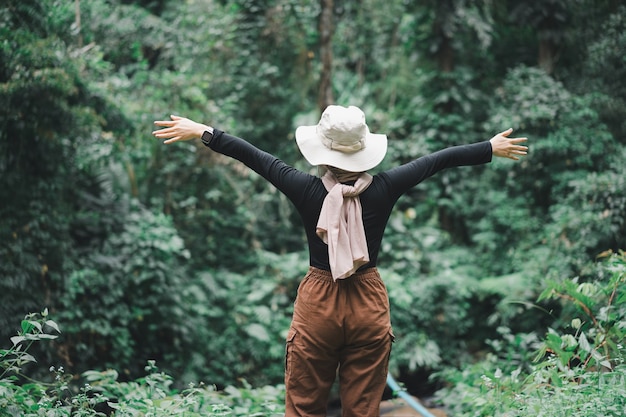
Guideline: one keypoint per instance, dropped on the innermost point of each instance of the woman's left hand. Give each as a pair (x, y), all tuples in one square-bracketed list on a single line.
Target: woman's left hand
[(505, 147)]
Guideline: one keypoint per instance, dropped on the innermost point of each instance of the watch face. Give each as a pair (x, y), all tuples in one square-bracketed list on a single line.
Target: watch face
[(206, 137)]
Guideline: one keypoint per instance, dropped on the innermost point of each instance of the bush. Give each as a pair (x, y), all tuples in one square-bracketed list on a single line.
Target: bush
[(102, 394), (579, 371), (124, 303)]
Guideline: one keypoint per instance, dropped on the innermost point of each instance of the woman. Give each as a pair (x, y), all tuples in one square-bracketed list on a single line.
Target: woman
[(341, 323)]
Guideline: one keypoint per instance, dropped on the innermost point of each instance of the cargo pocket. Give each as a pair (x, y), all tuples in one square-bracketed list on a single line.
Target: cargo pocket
[(391, 335), (392, 338), (291, 335)]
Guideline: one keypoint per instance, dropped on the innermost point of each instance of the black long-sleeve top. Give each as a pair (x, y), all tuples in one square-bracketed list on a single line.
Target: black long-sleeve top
[(307, 192)]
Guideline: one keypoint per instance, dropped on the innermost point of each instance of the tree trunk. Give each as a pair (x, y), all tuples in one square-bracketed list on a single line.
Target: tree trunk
[(445, 63), (546, 56), (326, 31), (78, 23), (445, 54), (548, 45)]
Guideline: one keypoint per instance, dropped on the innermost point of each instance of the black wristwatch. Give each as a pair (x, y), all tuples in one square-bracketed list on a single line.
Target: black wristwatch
[(206, 137)]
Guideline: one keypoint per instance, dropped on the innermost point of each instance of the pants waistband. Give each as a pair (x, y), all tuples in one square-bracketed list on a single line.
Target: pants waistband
[(324, 275)]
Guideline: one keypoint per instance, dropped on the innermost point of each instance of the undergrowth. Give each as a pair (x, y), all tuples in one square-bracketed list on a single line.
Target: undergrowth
[(100, 393), (577, 370)]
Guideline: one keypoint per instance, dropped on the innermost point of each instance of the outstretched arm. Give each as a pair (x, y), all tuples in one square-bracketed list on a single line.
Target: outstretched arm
[(293, 183), (180, 128), (505, 147), (412, 173)]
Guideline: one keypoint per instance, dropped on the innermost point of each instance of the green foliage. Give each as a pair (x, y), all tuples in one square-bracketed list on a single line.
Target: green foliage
[(103, 394), (592, 217), (115, 309), (568, 139), (599, 317), (33, 328), (147, 252), (439, 313), (256, 43), (41, 85), (569, 146), (486, 390), (603, 56), (578, 371)]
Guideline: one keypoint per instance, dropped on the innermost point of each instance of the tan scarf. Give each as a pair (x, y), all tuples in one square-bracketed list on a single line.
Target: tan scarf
[(340, 225)]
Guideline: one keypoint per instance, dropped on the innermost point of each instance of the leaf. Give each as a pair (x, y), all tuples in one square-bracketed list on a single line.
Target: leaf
[(53, 324), (17, 340), (25, 357), (584, 343), (34, 324), (113, 405), (597, 356), (26, 326), (258, 332), (47, 336), (165, 404), (553, 340), (546, 294), (569, 342), (555, 378)]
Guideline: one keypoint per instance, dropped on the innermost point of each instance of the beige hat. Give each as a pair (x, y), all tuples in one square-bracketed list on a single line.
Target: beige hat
[(342, 139)]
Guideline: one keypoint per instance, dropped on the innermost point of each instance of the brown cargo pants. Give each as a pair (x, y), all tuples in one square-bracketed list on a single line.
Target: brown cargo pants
[(338, 328)]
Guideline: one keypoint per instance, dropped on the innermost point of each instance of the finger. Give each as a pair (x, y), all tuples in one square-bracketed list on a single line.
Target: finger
[(164, 123), (163, 132), (506, 132), (175, 139), (520, 152), (174, 117), (517, 140)]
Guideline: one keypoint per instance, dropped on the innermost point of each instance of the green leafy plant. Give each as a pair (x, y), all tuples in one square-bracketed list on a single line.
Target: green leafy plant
[(598, 318), (579, 371), (35, 327), (147, 251), (103, 394)]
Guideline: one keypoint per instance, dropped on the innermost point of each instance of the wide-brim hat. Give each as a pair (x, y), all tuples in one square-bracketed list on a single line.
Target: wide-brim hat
[(343, 140)]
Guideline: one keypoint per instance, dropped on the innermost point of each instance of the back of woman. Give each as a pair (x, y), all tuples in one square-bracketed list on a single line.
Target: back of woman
[(341, 323)]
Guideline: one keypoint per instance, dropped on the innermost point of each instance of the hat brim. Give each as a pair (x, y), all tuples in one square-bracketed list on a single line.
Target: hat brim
[(316, 153)]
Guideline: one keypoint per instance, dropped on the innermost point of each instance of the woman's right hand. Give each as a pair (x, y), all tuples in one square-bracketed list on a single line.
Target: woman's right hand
[(180, 128)]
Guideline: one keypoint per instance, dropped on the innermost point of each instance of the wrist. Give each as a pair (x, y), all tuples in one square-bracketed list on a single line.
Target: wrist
[(203, 128)]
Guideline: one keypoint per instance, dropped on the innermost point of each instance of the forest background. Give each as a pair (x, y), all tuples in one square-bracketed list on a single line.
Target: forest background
[(142, 251)]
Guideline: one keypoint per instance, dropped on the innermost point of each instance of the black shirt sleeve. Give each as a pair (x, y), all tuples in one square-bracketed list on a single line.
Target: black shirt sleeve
[(290, 181), (406, 176)]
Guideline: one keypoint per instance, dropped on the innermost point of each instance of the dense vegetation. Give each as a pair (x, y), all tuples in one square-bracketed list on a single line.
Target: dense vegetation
[(143, 252)]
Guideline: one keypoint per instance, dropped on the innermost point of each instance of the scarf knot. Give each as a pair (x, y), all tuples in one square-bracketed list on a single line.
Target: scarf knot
[(340, 225)]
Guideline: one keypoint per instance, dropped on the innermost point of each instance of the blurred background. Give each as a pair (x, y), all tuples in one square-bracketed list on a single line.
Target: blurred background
[(142, 251)]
